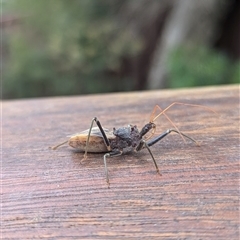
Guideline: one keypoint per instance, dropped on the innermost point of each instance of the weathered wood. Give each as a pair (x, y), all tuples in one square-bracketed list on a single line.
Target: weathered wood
[(50, 195)]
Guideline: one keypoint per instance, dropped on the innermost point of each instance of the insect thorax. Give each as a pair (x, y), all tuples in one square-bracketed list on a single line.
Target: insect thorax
[(127, 138)]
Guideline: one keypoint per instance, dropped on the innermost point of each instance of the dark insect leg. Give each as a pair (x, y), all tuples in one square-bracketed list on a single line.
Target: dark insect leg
[(143, 144), (110, 154), (155, 163), (106, 141), (161, 136), (148, 144)]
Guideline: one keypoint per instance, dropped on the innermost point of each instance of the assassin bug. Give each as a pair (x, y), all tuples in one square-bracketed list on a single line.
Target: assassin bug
[(123, 139)]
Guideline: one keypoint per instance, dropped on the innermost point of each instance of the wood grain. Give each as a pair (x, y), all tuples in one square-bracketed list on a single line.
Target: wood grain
[(50, 195)]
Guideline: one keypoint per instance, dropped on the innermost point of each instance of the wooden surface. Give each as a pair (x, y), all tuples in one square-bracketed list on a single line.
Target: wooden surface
[(49, 194)]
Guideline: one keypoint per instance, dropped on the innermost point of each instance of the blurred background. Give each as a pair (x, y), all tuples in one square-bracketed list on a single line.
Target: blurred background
[(61, 47)]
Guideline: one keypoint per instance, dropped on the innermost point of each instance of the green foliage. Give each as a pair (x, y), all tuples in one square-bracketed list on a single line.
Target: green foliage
[(236, 73), (65, 47), (60, 47), (198, 66)]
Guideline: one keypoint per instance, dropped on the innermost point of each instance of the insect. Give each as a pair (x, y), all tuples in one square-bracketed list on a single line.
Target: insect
[(123, 139)]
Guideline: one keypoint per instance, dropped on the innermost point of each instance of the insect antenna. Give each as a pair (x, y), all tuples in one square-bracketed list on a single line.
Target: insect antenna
[(153, 117), (178, 103)]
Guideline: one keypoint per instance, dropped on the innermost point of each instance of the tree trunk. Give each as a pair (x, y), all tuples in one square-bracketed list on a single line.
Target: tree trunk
[(189, 21)]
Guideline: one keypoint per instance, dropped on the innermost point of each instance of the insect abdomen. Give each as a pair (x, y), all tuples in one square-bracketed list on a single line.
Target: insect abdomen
[(95, 145)]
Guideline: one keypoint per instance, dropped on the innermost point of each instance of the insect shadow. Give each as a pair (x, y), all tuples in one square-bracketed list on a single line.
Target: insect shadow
[(123, 140)]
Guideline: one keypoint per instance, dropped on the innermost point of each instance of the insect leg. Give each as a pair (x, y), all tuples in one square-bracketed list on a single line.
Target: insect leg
[(106, 141), (161, 136), (110, 154), (55, 147), (148, 144), (153, 117), (143, 144)]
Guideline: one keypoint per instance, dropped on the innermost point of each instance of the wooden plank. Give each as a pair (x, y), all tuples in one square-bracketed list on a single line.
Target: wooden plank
[(50, 195)]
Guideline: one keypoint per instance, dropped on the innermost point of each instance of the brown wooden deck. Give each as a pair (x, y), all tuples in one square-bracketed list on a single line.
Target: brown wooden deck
[(49, 194)]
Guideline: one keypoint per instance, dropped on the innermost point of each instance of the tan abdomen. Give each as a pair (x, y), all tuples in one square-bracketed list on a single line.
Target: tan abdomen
[(96, 144)]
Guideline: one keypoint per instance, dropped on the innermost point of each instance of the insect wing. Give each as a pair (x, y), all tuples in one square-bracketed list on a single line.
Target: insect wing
[(95, 132), (96, 142)]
